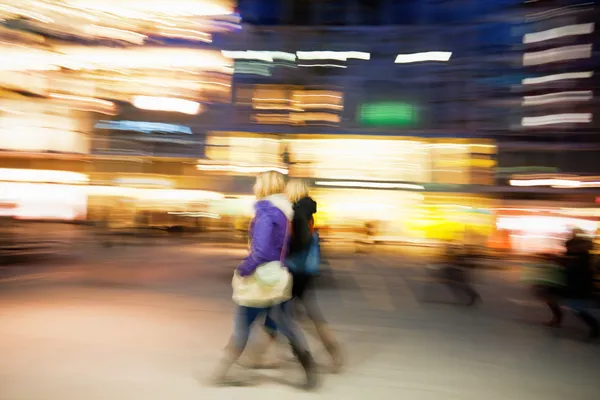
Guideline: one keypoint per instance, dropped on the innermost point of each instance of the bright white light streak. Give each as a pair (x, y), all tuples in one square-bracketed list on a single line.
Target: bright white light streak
[(321, 105), (557, 77), (573, 118), (214, 83), (10, 111), (67, 10), (277, 107), (559, 97), (540, 224), (195, 214), (333, 55), (144, 182), (281, 55), (555, 183), (371, 185), (268, 56), (199, 38), (106, 105), (42, 175), (167, 104), (319, 95), (421, 57), (545, 182), (557, 11), (133, 9), (114, 33), (28, 14), (590, 184), (569, 30), (240, 169), (279, 100), (186, 34), (322, 65), (558, 54), (247, 55), (141, 58)]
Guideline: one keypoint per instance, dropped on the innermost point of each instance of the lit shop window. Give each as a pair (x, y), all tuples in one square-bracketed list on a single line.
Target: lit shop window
[(118, 73), (277, 104), (361, 159), (463, 163), (128, 21), (352, 207), (245, 151), (43, 201), (33, 126)]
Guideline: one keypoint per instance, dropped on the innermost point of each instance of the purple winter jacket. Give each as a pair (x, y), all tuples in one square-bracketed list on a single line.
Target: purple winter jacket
[(267, 232)]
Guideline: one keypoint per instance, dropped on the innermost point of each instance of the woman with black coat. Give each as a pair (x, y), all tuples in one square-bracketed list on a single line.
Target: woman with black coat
[(303, 272)]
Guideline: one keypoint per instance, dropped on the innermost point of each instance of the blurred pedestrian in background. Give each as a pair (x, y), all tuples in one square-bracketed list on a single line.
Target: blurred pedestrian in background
[(304, 262), (566, 280), (579, 282), (261, 282), (546, 277), (455, 271)]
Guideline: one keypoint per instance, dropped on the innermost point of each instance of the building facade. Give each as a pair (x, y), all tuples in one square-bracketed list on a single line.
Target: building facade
[(414, 114)]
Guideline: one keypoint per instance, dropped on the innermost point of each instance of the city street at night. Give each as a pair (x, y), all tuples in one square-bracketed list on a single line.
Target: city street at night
[(150, 323), (430, 167)]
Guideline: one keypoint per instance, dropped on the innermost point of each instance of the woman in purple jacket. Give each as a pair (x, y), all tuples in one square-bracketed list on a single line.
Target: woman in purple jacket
[(268, 239)]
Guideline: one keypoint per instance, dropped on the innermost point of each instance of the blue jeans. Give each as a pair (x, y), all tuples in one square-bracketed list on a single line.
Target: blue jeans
[(579, 305), (270, 324), (303, 291), (277, 317)]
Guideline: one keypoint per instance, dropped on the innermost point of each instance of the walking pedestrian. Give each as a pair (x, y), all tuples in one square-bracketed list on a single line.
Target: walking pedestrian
[(261, 281), (545, 276), (304, 262), (579, 277), (455, 273)]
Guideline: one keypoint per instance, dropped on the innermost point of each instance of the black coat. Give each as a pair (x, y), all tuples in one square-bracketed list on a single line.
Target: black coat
[(304, 210), (579, 272)]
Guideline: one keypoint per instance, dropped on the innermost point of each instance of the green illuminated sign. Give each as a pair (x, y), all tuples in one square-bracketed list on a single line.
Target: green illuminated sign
[(387, 114)]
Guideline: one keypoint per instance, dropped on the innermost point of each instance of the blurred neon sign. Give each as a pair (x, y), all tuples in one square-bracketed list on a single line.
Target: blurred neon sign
[(144, 127), (387, 114)]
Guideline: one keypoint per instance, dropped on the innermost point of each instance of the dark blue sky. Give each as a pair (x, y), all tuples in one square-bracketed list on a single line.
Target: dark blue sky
[(377, 12)]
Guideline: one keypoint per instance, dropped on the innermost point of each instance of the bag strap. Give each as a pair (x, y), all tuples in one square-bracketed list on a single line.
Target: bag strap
[(286, 239)]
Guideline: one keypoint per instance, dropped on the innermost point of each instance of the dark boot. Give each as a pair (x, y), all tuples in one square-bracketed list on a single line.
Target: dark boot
[(591, 322), (309, 365), (556, 320), (474, 297), (231, 356), (331, 345)]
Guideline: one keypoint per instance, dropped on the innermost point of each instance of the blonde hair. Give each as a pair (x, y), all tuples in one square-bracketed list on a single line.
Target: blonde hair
[(268, 183), (297, 189)]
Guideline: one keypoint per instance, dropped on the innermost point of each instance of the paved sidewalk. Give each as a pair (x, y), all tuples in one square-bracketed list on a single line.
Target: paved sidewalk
[(82, 343)]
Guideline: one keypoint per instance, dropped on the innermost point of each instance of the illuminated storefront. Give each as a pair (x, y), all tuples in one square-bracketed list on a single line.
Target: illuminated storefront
[(404, 215), (122, 206), (348, 210), (455, 216), (237, 152), (360, 158), (30, 125), (120, 197), (43, 194), (43, 201), (360, 180), (544, 228)]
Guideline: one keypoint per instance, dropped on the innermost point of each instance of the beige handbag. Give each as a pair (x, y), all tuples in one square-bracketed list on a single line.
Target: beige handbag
[(270, 284)]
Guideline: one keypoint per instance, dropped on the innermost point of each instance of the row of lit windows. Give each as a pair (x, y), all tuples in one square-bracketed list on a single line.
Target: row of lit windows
[(359, 159)]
